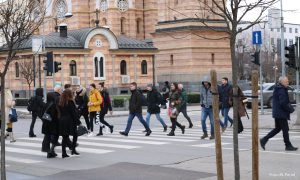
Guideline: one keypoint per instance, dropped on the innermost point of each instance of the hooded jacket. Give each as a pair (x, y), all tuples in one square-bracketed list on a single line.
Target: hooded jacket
[(205, 94), (106, 102), (82, 100), (135, 102), (153, 100)]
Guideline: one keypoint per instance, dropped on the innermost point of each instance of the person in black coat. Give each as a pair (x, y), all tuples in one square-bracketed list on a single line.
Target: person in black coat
[(135, 109), (38, 105), (68, 121), (281, 111), (50, 128), (224, 91), (82, 99), (154, 99), (105, 107)]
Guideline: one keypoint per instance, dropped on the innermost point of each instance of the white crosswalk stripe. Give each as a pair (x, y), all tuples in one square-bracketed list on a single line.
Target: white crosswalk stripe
[(28, 150)]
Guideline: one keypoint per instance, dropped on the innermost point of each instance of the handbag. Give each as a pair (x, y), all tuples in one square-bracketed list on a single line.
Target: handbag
[(291, 108), (13, 116), (46, 116), (81, 130)]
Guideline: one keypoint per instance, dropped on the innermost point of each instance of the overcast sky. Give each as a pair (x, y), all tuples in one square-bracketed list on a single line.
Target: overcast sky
[(291, 10)]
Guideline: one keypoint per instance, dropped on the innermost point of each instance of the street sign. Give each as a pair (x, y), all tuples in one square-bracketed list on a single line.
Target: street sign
[(256, 37)]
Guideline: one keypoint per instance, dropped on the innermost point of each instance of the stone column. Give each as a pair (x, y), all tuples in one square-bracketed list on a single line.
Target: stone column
[(135, 67), (85, 71), (62, 69), (113, 57)]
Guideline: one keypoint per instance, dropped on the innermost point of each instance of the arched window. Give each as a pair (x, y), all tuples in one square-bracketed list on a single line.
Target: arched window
[(122, 25), (104, 21), (99, 67), (73, 68), (61, 9), (144, 67), (17, 69), (123, 67)]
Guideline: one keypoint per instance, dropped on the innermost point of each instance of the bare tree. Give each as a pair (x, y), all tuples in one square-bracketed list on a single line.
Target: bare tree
[(19, 19), (28, 73), (232, 12)]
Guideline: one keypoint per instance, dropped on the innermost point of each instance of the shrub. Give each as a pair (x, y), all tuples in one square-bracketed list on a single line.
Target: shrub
[(193, 98), (118, 103)]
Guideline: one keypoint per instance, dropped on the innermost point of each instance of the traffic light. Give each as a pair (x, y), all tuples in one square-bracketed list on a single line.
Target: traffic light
[(291, 56), (57, 66), (48, 63), (256, 57)]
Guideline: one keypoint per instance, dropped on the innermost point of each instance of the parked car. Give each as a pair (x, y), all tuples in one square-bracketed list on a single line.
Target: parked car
[(268, 95)]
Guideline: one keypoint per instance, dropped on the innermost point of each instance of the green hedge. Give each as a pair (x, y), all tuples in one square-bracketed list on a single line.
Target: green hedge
[(21, 102), (193, 98), (118, 103)]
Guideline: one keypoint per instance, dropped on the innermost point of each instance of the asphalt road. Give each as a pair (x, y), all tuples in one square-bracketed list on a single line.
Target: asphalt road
[(136, 157)]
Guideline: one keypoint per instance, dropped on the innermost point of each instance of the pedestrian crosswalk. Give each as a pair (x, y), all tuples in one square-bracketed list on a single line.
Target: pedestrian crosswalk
[(28, 150)]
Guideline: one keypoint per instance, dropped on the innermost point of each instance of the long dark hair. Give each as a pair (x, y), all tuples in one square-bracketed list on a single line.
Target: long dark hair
[(65, 97), (176, 86), (39, 92)]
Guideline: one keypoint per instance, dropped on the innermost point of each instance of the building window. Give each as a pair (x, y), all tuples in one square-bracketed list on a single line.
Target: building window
[(171, 59), (272, 41), (284, 29), (278, 30), (144, 67), (98, 43), (61, 9), (123, 5), (213, 58), (296, 30), (17, 69), (291, 30), (103, 5), (272, 29), (176, 2), (291, 42), (73, 68), (99, 64), (123, 67), (285, 42), (279, 45), (138, 25), (122, 25), (104, 21)]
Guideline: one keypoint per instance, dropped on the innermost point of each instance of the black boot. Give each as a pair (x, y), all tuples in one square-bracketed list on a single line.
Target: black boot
[(291, 148), (111, 127), (100, 131), (64, 152), (263, 143), (171, 133)]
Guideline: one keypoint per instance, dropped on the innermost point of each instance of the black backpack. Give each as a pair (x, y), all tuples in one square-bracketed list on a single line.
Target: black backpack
[(143, 98), (32, 105)]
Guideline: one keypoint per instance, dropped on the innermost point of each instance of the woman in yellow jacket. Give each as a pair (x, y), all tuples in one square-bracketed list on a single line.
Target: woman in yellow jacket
[(94, 104)]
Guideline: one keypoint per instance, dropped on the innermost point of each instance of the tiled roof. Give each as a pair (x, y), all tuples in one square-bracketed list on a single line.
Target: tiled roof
[(76, 40)]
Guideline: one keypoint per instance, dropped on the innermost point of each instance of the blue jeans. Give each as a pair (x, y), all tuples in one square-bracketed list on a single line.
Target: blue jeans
[(225, 112), (208, 112), (158, 117), (130, 119)]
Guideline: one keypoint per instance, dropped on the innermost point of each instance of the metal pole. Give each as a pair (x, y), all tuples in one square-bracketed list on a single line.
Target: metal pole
[(282, 42), (34, 73), (261, 82), (297, 57)]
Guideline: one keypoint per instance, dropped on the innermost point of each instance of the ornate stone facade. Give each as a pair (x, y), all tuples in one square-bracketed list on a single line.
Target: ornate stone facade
[(160, 33)]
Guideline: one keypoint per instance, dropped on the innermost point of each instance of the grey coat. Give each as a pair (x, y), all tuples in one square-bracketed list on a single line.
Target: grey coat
[(205, 94)]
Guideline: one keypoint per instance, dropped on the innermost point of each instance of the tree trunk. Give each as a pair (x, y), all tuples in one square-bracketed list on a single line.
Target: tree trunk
[(29, 92), (3, 115), (235, 70)]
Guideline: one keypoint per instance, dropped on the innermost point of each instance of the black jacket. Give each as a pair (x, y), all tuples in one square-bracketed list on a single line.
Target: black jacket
[(68, 119), (81, 100), (51, 128), (135, 102), (40, 105), (106, 102), (153, 100), (281, 103), (224, 92)]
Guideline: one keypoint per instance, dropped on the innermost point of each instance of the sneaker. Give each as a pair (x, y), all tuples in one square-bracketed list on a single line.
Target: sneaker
[(123, 133), (148, 133), (32, 135), (204, 136), (291, 148), (212, 137), (99, 134), (224, 129)]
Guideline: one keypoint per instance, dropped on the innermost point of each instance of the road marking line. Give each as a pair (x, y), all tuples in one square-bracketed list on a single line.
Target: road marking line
[(286, 153), (92, 144), (123, 140), (21, 160), (165, 138), (208, 145), (26, 151)]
